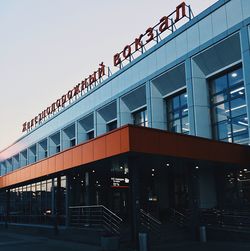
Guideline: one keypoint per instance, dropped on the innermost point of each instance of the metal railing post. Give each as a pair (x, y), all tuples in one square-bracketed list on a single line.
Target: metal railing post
[(95, 215), (143, 242)]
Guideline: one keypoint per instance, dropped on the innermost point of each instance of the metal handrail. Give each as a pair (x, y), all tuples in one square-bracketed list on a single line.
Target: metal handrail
[(178, 217), (150, 216), (95, 215), (224, 218), (97, 206), (149, 222)]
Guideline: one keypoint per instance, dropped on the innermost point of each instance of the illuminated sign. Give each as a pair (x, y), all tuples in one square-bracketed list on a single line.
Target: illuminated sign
[(128, 53)]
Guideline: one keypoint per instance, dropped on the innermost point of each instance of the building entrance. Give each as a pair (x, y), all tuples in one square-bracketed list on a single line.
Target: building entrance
[(164, 187)]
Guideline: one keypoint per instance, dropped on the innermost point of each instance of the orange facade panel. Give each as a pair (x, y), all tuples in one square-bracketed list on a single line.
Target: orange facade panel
[(67, 159), (178, 145), (132, 139), (99, 148), (77, 156), (90, 151), (87, 152)]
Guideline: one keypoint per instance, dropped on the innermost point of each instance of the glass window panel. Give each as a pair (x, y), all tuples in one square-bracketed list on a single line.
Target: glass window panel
[(184, 111), (238, 91), (178, 108), (137, 118), (175, 126), (183, 99), (231, 113), (145, 116), (221, 112), (235, 77), (219, 84), (63, 181), (174, 115), (224, 130), (140, 118), (111, 126), (90, 135), (229, 139), (185, 125), (175, 102), (222, 97), (238, 107), (240, 126), (241, 139)]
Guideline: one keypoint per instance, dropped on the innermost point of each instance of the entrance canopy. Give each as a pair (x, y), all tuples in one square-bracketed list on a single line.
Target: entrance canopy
[(132, 139)]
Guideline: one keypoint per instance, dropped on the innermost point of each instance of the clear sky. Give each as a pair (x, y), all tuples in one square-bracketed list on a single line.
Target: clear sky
[(48, 46)]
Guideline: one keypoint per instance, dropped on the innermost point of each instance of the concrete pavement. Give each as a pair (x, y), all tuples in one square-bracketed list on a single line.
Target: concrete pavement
[(10, 241), (19, 242)]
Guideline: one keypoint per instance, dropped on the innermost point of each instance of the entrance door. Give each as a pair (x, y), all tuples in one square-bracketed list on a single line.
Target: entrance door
[(120, 202)]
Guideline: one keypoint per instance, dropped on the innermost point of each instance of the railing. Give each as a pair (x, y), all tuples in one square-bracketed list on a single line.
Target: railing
[(149, 222), (94, 216), (226, 218), (179, 218)]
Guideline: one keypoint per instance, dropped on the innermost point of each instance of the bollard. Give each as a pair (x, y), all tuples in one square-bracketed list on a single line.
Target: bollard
[(143, 242), (203, 234)]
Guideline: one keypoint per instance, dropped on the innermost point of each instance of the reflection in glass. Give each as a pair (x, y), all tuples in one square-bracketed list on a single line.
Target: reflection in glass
[(141, 118), (177, 110), (228, 107)]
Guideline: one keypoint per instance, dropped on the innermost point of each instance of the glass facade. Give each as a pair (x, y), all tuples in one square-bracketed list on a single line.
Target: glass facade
[(140, 118), (177, 113), (228, 108), (36, 203), (234, 188)]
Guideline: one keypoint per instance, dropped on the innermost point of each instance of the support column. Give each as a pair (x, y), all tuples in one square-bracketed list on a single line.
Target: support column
[(245, 54), (134, 198), (101, 127), (7, 210), (58, 196), (67, 204), (87, 190), (95, 123), (125, 114), (58, 204), (53, 197), (190, 97), (200, 104), (194, 194), (208, 197), (148, 102), (158, 109), (118, 109)]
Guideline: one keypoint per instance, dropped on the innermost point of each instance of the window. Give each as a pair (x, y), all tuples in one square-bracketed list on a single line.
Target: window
[(58, 148), (228, 107), (140, 118), (72, 142), (177, 113), (90, 135), (111, 125)]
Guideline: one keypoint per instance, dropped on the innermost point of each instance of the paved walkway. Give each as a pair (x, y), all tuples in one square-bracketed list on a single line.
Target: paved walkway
[(20, 242), (209, 246), (10, 241)]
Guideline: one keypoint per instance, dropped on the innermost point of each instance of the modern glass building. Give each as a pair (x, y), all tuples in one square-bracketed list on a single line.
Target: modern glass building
[(165, 138)]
